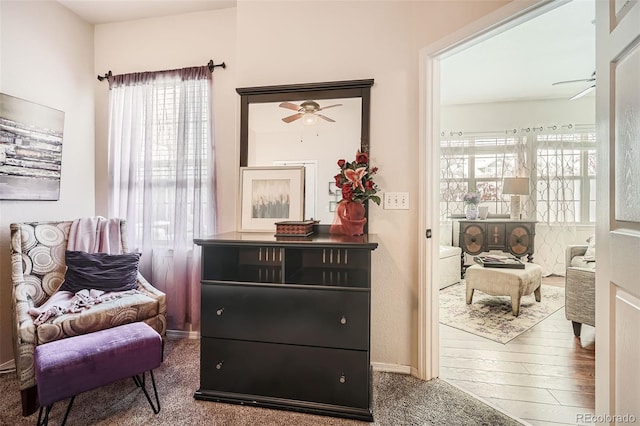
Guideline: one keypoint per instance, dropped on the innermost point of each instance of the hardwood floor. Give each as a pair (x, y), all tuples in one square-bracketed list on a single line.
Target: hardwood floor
[(545, 376)]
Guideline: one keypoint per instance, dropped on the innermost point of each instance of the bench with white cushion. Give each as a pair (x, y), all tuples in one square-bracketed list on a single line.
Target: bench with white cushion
[(505, 282)]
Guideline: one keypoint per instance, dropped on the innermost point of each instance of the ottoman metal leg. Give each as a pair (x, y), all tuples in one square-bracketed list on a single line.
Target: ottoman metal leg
[(45, 421), (140, 382)]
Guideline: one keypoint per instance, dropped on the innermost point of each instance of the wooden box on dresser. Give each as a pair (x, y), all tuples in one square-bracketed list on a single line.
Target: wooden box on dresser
[(286, 322)]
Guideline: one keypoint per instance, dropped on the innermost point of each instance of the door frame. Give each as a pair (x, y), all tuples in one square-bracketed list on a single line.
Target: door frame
[(502, 19)]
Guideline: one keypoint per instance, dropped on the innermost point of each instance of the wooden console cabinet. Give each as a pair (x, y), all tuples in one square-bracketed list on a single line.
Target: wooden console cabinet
[(513, 236), (286, 322)]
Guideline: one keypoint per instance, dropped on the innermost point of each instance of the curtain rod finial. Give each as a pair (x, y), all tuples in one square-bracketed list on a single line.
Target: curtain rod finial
[(211, 65), (106, 76)]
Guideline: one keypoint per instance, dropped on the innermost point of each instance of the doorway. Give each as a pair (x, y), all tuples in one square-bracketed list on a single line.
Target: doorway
[(431, 330)]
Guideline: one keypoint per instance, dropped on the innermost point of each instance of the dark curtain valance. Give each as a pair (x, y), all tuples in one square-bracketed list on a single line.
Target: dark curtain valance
[(138, 78)]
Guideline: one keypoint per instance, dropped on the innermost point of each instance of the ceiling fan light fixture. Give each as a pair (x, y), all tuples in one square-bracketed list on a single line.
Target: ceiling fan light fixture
[(309, 119), (584, 92), (307, 111)]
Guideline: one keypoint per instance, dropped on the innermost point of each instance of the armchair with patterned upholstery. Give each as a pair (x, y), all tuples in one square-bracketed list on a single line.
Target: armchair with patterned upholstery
[(580, 287), (37, 271)]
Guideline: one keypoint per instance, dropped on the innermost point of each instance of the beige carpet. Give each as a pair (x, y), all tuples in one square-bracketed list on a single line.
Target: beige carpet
[(491, 317), (397, 400)]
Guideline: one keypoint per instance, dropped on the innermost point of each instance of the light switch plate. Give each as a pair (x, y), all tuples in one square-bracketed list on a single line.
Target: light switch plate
[(396, 200)]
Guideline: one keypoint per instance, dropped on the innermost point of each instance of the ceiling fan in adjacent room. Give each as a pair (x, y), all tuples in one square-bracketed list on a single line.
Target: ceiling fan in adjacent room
[(583, 92), (308, 111)]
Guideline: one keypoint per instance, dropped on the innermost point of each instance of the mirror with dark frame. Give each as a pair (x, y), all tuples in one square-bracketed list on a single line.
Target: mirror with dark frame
[(313, 125)]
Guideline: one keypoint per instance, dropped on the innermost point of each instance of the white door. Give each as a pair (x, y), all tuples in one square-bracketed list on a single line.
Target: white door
[(618, 211)]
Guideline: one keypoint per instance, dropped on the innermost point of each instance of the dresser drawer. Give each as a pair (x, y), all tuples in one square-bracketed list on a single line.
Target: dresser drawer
[(301, 316), (328, 376)]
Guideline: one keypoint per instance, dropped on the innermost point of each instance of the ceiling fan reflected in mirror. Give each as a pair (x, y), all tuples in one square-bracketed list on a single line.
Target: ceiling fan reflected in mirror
[(308, 111), (583, 92)]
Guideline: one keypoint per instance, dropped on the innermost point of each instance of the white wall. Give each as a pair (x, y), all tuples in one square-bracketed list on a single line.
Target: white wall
[(517, 115), (167, 43), (47, 58)]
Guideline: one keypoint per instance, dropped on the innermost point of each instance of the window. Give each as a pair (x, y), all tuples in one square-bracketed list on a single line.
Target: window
[(563, 173), (171, 165), (476, 163), (565, 177)]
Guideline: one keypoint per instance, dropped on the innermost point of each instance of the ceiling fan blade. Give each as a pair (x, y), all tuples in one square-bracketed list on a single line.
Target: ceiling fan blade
[(289, 105), (293, 117), (330, 106), (574, 81), (583, 92), (326, 118)]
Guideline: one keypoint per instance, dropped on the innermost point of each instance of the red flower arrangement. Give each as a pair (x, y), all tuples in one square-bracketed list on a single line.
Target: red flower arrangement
[(356, 179)]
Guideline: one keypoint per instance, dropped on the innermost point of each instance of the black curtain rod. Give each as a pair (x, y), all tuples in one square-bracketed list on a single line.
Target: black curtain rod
[(210, 64)]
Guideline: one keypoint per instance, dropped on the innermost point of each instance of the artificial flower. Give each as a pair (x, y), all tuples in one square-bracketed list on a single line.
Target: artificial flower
[(356, 179), (471, 198)]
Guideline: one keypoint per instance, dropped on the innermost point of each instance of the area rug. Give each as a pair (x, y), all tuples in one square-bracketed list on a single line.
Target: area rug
[(491, 317)]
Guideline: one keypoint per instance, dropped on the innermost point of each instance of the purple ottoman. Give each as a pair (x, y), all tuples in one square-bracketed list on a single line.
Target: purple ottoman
[(67, 367)]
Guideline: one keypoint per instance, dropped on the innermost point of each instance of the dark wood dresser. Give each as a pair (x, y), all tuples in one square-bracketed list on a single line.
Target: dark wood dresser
[(286, 322), (516, 237)]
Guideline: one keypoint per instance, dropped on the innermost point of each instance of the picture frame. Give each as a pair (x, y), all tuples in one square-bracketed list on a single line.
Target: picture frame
[(333, 189), (269, 195), (310, 183), (31, 150)]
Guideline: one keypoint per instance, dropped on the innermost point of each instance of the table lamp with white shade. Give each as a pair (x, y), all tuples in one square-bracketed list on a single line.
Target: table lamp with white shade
[(515, 186)]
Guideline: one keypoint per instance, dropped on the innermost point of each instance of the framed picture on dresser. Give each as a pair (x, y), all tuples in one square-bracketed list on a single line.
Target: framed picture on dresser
[(269, 195)]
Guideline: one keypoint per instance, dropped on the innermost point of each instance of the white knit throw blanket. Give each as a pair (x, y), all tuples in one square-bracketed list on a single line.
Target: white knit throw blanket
[(64, 302)]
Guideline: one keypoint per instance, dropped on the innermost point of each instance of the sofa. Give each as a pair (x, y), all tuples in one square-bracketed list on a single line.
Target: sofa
[(38, 254), (450, 266), (580, 285)]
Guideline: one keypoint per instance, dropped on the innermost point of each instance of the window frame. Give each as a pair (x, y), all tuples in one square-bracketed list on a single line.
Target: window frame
[(526, 146)]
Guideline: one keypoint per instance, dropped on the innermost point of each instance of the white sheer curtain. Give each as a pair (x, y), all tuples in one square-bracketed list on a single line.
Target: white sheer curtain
[(162, 178), (564, 173)]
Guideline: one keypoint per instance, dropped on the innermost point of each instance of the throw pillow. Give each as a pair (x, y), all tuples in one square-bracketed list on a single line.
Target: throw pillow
[(100, 271), (590, 254)]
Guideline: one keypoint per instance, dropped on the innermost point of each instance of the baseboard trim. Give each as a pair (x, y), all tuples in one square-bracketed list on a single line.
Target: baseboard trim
[(414, 372), (181, 334), (391, 368)]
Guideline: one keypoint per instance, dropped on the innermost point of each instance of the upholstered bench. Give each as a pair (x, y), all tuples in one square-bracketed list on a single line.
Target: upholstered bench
[(67, 367), (505, 282)]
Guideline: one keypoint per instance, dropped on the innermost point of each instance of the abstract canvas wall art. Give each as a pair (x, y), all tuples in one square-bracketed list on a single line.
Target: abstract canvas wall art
[(30, 150)]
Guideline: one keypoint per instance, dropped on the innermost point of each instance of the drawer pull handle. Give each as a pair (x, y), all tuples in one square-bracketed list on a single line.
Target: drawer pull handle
[(343, 379), (219, 311), (343, 320), (219, 365)]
